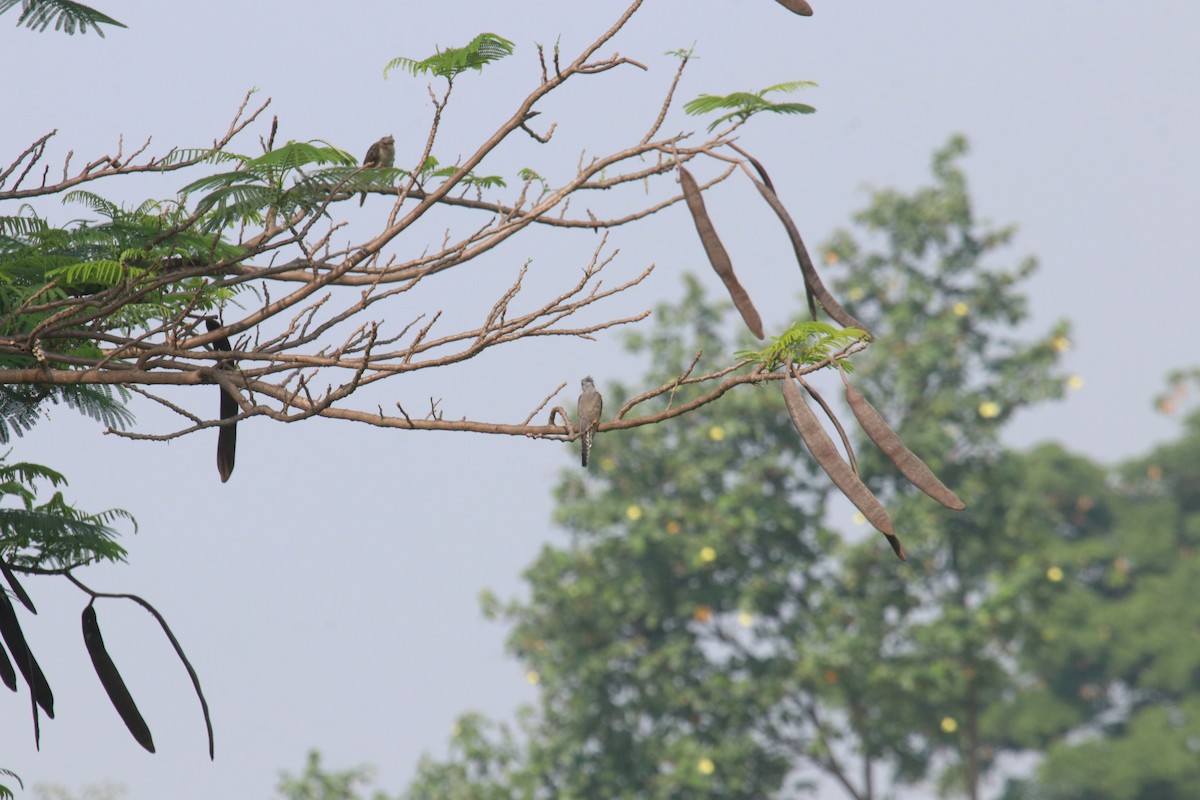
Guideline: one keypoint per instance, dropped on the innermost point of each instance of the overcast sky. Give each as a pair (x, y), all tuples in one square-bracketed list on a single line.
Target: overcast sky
[(328, 593)]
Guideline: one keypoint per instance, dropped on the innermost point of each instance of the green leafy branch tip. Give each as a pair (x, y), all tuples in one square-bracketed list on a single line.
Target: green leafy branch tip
[(805, 343), (743, 105), (483, 49), (66, 16), (683, 53)]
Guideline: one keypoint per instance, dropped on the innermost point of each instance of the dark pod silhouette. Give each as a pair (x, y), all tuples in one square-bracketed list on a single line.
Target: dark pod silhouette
[(18, 590), (6, 671), (10, 629), (111, 679), (227, 434)]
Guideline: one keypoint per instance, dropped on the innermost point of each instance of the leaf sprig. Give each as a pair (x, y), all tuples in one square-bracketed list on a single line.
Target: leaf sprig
[(741, 106), (480, 51), (67, 16), (805, 343)]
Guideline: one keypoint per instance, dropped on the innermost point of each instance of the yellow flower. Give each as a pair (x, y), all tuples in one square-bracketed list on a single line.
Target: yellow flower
[(634, 513), (672, 527), (989, 409), (858, 518), (716, 433), (1060, 343), (1075, 382), (705, 766), (533, 678), (949, 724), (960, 309), (1054, 574), (745, 619), (707, 554)]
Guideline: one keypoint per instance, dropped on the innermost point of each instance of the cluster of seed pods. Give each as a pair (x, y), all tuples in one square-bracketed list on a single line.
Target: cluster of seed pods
[(843, 473)]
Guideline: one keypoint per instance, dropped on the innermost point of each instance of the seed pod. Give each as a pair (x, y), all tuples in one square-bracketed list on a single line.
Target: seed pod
[(717, 255), (18, 590), (6, 671), (226, 434), (797, 7), (10, 629), (118, 694), (826, 454), (812, 281), (910, 465)]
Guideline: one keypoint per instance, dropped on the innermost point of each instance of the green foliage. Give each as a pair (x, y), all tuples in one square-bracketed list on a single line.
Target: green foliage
[(805, 343), (480, 51), (5, 792), (683, 54), (51, 534), (263, 187), (21, 405), (66, 15), (317, 783), (126, 250), (1115, 652), (741, 106)]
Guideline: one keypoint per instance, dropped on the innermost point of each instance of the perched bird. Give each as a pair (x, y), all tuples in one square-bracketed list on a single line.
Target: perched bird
[(590, 405), (380, 154), (227, 434)]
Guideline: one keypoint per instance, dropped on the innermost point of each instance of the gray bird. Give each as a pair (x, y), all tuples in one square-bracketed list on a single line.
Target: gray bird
[(380, 154), (590, 406)]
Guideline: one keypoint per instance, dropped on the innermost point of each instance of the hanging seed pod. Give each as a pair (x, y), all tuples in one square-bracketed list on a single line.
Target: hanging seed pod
[(910, 465), (18, 590), (10, 629), (717, 255), (226, 434), (826, 454), (796, 7), (812, 281), (118, 694), (6, 671)]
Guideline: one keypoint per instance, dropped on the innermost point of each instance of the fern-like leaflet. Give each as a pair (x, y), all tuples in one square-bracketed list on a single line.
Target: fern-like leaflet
[(480, 51), (741, 106)]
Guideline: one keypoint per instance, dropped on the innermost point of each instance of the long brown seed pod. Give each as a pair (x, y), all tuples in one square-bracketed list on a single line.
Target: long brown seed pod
[(812, 281), (849, 448), (10, 629), (826, 454), (717, 255), (18, 590), (910, 465), (797, 7), (6, 671), (118, 693)]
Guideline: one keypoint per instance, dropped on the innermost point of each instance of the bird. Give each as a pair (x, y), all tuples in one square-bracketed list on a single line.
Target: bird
[(380, 154), (227, 434), (590, 406)]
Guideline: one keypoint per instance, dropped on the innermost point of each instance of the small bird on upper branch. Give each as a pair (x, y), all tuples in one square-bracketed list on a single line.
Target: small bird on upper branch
[(590, 406), (380, 154)]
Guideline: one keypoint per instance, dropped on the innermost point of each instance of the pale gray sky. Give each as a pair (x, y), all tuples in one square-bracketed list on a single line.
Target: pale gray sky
[(327, 593)]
